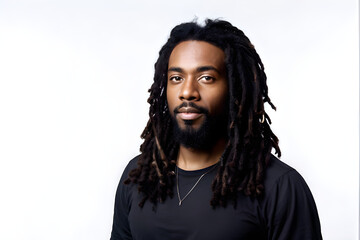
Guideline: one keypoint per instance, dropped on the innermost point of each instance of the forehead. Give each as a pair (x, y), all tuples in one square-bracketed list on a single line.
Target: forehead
[(190, 54)]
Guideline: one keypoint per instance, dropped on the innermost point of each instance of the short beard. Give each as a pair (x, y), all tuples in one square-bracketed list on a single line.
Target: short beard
[(206, 136)]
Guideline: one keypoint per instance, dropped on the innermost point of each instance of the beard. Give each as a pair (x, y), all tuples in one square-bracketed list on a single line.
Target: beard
[(204, 137)]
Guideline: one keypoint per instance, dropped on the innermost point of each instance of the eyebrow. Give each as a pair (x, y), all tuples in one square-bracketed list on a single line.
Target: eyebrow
[(199, 69), (175, 69)]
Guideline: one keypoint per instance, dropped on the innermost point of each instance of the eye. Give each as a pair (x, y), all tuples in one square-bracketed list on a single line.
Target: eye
[(175, 79), (206, 78)]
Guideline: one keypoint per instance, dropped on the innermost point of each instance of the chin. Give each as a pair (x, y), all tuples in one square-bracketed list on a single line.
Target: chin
[(197, 135)]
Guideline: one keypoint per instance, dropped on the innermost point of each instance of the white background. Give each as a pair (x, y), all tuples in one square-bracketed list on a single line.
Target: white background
[(73, 87)]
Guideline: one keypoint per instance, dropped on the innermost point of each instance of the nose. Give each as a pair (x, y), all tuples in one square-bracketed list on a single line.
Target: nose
[(189, 90)]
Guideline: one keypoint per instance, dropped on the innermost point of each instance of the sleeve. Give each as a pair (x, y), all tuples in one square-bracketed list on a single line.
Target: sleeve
[(290, 210), (121, 228)]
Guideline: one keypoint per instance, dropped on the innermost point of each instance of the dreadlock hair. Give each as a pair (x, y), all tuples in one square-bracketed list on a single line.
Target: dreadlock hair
[(250, 139)]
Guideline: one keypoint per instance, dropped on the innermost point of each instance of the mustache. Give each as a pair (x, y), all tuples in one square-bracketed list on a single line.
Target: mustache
[(192, 105)]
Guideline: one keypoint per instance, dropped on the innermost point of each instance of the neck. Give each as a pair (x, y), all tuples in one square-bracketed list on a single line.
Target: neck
[(195, 159)]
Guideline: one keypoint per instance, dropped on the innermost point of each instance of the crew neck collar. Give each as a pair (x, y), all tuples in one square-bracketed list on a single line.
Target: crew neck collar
[(196, 172)]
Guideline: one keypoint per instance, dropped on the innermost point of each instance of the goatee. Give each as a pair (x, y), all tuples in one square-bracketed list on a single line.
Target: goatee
[(204, 138)]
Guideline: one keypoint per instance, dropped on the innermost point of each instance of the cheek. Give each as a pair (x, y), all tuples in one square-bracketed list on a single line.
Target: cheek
[(218, 100), (170, 101), (215, 103), (221, 104)]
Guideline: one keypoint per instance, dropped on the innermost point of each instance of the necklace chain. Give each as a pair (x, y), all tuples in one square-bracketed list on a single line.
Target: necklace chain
[(196, 183)]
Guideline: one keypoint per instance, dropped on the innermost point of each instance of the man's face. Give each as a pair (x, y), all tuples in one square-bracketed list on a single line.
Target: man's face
[(197, 92)]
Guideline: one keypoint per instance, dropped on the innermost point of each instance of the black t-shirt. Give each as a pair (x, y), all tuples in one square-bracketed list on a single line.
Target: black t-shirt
[(286, 211)]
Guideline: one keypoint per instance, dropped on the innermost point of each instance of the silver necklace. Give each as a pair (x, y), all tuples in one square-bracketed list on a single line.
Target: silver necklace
[(177, 184)]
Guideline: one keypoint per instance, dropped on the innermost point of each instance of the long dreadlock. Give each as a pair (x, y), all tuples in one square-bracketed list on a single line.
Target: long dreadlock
[(250, 139)]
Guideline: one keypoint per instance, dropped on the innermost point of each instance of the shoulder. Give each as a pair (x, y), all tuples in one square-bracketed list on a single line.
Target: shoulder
[(288, 206), (278, 172), (132, 164), (284, 185), (123, 192), (123, 202)]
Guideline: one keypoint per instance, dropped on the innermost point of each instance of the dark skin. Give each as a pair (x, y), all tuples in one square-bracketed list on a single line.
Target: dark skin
[(197, 73)]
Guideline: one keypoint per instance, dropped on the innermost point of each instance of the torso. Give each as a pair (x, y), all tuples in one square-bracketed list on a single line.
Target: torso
[(195, 218)]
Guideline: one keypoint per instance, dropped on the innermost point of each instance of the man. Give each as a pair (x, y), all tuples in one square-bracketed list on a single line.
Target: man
[(206, 170)]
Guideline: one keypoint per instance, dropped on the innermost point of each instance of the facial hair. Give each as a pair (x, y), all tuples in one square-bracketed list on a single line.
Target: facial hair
[(204, 138)]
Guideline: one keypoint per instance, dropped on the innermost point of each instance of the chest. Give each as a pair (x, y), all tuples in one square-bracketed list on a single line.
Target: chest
[(195, 218)]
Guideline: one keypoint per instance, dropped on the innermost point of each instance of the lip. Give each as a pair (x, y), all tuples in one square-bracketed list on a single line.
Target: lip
[(188, 110), (188, 113)]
